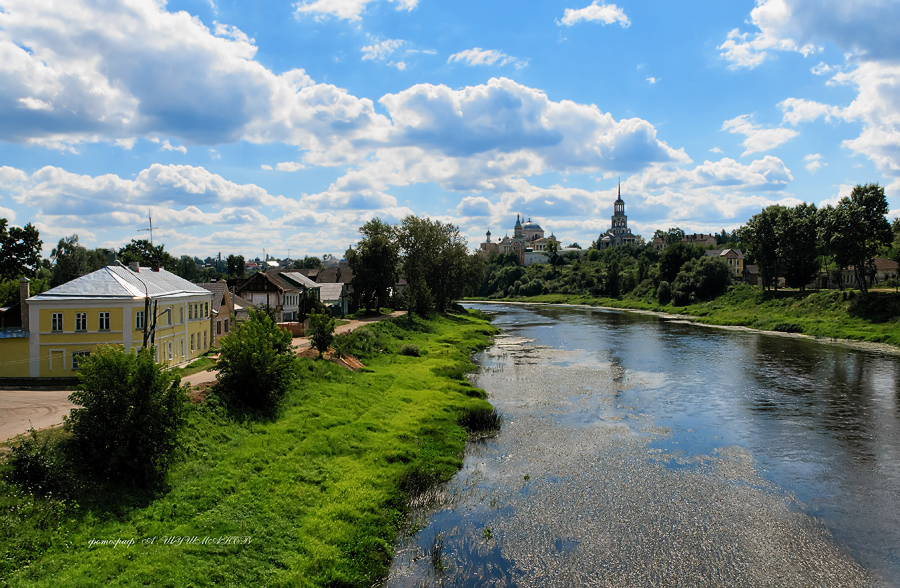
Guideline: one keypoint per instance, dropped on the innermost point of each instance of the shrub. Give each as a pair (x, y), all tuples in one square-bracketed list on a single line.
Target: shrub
[(664, 292), (410, 350), (256, 365), (40, 466), (133, 412), (321, 327)]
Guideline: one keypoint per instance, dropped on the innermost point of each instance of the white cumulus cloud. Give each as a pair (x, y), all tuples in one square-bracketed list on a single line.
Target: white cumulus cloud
[(351, 10), (757, 138), (479, 56), (605, 14)]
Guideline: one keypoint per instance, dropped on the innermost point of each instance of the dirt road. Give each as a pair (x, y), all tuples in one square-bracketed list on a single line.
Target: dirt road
[(22, 409)]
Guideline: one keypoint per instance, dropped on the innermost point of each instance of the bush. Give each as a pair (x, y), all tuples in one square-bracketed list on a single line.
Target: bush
[(664, 292), (481, 421), (40, 466), (256, 366), (321, 328), (411, 351), (133, 412), (701, 279)]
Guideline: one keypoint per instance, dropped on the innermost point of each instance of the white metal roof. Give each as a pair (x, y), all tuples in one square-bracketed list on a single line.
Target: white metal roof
[(117, 281)]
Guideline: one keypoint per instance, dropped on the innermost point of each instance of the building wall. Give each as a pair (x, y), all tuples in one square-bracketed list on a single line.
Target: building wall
[(51, 353), (14, 353)]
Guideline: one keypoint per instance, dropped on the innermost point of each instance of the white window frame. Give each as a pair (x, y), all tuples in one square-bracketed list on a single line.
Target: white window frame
[(139, 320), (75, 358), (190, 312), (192, 342), (170, 351), (104, 319), (56, 322), (81, 321)]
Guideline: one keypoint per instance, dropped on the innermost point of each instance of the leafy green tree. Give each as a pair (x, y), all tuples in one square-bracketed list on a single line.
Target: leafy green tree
[(132, 413), (798, 246), (308, 263), (186, 267), (321, 331), (764, 234), (235, 265), (701, 279), (670, 237), (141, 251), (856, 229), (674, 257), (20, 251), (71, 260), (256, 365), (374, 263)]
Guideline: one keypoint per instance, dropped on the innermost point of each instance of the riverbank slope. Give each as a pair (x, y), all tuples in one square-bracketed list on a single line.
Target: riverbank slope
[(833, 314), (313, 498)]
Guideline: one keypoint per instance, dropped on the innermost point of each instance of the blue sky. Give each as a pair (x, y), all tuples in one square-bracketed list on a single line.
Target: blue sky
[(284, 126)]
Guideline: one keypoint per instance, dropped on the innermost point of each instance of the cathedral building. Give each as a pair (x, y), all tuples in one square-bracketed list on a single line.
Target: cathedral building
[(618, 233), (527, 243)]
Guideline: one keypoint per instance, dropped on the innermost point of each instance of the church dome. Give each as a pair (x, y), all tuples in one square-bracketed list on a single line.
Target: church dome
[(532, 225)]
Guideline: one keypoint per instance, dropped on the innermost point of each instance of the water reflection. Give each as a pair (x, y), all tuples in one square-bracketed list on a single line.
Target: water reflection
[(629, 436)]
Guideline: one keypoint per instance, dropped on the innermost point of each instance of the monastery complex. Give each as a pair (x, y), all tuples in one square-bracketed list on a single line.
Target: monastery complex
[(530, 246)]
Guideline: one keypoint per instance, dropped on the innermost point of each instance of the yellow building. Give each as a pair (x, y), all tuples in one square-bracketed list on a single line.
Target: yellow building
[(733, 257), (109, 306)]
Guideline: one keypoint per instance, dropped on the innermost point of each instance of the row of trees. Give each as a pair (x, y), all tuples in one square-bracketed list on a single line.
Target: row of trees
[(797, 242), (432, 256)]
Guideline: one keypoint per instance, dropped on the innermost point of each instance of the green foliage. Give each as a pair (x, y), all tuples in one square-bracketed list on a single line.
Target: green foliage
[(71, 260), (235, 266), (374, 263), (40, 465), (674, 257), (308, 262), (132, 412), (146, 254), (856, 229), (9, 290), (664, 292), (435, 258), (411, 350), (321, 331), (481, 421), (256, 366), (700, 279), (20, 251)]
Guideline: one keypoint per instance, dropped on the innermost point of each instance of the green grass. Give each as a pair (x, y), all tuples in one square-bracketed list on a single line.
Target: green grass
[(833, 314), (317, 491)]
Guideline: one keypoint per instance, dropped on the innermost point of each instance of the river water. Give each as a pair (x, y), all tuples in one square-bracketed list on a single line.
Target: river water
[(637, 451)]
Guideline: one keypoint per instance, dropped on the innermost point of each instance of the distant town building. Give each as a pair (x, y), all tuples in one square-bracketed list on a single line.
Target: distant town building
[(527, 243), (618, 233), (700, 239)]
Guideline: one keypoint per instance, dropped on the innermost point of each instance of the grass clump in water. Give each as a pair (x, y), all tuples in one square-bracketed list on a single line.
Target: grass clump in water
[(481, 421)]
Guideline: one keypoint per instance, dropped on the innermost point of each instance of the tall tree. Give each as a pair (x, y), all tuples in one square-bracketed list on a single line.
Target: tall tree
[(71, 260), (146, 254), (763, 236), (187, 268), (374, 263), (674, 257), (798, 246), (235, 266), (856, 229), (20, 251), (435, 262)]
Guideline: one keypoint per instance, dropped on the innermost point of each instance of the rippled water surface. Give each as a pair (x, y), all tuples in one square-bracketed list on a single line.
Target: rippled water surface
[(641, 452)]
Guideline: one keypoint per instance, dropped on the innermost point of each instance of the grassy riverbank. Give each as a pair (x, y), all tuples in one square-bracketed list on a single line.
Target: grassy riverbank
[(314, 498), (839, 314)]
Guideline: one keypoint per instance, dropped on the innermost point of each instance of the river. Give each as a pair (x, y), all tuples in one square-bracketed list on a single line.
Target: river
[(637, 451)]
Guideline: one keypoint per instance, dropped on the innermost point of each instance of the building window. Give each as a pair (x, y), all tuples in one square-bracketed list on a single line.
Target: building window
[(104, 321), (204, 339), (192, 342), (81, 321), (182, 347), (170, 351), (206, 309), (169, 316), (139, 320), (78, 357), (226, 326), (56, 322), (181, 314), (190, 311), (218, 327)]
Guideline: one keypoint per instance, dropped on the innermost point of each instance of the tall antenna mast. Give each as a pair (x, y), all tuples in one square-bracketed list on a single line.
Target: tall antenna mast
[(150, 218)]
